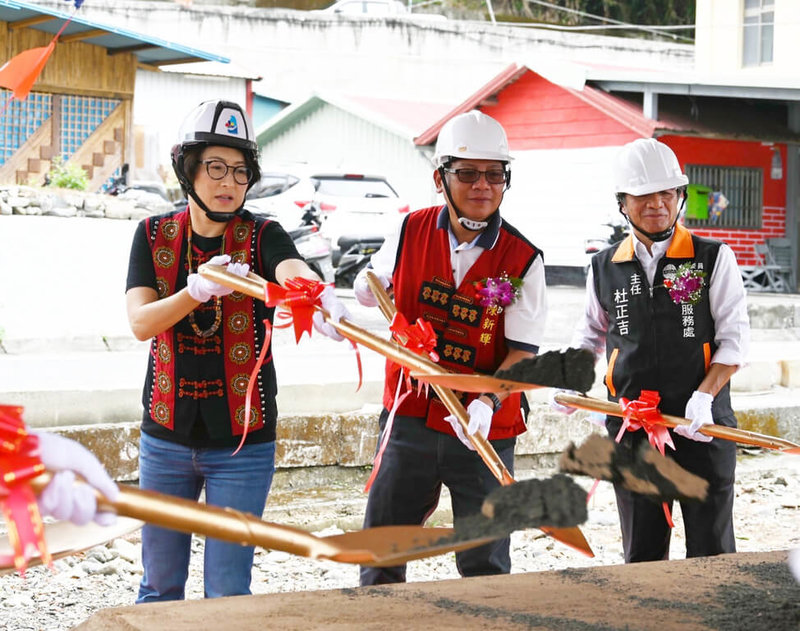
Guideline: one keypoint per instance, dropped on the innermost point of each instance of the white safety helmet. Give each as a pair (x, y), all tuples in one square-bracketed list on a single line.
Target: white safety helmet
[(219, 123), (472, 135), (647, 166)]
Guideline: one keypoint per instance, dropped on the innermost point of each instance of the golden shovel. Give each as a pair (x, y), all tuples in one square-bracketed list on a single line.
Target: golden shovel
[(380, 546), (253, 285), (717, 431)]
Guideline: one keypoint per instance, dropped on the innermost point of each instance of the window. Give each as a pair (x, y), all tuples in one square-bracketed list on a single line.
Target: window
[(759, 27), (20, 119), (353, 186), (724, 197)]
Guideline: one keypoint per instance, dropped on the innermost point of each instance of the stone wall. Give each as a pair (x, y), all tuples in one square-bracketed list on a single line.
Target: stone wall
[(58, 202)]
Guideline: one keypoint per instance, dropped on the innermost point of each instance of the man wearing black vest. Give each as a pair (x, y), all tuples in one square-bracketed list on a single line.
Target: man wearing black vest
[(669, 309), (480, 286)]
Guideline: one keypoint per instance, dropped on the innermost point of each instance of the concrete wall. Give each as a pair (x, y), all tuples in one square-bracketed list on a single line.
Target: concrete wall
[(298, 52)]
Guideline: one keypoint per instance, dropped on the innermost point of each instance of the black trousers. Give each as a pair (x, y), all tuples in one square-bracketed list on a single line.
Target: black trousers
[(415, 464), (708, 525)]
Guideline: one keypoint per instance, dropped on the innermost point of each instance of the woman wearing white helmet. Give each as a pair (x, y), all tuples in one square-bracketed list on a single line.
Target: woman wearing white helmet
[(669, 309), (480, 285), (205, 341)]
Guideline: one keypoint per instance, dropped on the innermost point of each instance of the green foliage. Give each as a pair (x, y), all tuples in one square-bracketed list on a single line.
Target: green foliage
[(66, 175)]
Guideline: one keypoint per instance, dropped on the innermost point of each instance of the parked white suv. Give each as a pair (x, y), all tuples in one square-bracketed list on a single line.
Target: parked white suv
[(350, 204)]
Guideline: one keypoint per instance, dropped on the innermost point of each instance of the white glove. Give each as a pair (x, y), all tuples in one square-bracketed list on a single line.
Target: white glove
[(203, 289), (480, 420), (597, 418), (335, 309), (75, 502), (698, 411), (361, 287), (794, 563), (555, 405)]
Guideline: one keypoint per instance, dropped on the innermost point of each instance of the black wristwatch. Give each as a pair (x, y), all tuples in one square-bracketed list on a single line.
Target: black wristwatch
[(494, 399)]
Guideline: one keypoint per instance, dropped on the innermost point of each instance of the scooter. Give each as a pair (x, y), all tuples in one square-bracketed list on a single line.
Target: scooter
[(119, 185), (355, 253), (593, 245)]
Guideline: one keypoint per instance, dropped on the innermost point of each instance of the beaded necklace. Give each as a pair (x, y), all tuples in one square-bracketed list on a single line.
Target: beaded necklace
[(218, 299)]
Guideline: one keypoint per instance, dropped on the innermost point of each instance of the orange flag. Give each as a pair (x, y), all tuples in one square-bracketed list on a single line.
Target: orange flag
[(20, 72)]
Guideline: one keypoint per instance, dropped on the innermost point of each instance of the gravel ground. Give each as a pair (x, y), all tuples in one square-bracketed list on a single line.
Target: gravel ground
[(766, 511)]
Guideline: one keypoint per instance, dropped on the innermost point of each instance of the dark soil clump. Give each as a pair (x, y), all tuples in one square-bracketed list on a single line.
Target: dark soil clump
[(572, 369), (643, 470), (558, 502)]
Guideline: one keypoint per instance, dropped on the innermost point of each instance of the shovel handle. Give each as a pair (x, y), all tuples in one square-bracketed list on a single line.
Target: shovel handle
[(716, 431), (225, 524), (447, 396)]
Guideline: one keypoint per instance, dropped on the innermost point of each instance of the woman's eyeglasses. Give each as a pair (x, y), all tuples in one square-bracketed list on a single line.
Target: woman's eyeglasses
[(217, 170), (470, 176)]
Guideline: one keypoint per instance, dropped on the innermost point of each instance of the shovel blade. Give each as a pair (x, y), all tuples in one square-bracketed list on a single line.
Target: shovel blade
[(64, 539), (572, 537), (385, 546)]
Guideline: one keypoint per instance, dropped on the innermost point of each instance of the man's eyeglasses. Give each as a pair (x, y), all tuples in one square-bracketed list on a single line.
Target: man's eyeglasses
[(470, 176), (217, 170)]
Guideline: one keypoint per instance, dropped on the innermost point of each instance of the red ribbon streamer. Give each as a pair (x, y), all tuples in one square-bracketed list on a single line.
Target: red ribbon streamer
[(418, 337), (300, 296), (252, 381), (20, 462), (387, 431), (643, 414)]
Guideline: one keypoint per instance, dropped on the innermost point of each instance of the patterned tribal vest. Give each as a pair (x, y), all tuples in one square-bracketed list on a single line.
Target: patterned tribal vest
[(192, 372), (653, 343), (471, 338)]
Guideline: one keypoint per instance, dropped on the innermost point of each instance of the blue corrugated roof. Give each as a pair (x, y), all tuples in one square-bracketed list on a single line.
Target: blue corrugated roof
[(148, 50)]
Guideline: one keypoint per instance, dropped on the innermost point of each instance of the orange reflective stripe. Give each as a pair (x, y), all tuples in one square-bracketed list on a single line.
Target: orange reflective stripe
[(610, 372), (707, 355)]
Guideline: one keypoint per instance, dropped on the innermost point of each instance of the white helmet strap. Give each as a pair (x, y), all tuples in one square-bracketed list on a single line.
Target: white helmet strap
[(469, 224)]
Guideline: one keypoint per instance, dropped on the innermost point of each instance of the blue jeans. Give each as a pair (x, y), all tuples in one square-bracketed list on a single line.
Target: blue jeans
[(241, 482)]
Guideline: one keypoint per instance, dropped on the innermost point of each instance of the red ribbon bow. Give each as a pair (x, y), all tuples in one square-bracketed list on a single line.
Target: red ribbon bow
[(19, 463), (418, 337), (300, 296), (643, 414)]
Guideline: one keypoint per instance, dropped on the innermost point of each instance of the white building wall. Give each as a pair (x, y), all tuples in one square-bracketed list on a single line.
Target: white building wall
[(560, 198), (719, 35), (298, 52), (161, 102)]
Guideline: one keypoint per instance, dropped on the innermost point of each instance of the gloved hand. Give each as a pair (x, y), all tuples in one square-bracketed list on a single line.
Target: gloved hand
[(698, 411), (203, 289), (556, 406), (335, 309), (597, 418), (362, 291), (480, 420), (63, 500), (794, 563)]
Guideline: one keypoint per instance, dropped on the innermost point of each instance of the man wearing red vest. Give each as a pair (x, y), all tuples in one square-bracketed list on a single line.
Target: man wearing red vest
[(480, 285)]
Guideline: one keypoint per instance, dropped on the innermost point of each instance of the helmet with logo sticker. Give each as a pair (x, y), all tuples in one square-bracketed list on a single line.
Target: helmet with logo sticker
[(214, 123)]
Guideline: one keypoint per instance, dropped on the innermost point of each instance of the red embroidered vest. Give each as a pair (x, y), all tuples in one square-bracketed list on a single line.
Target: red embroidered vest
[(471, 338), (186, 366)]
